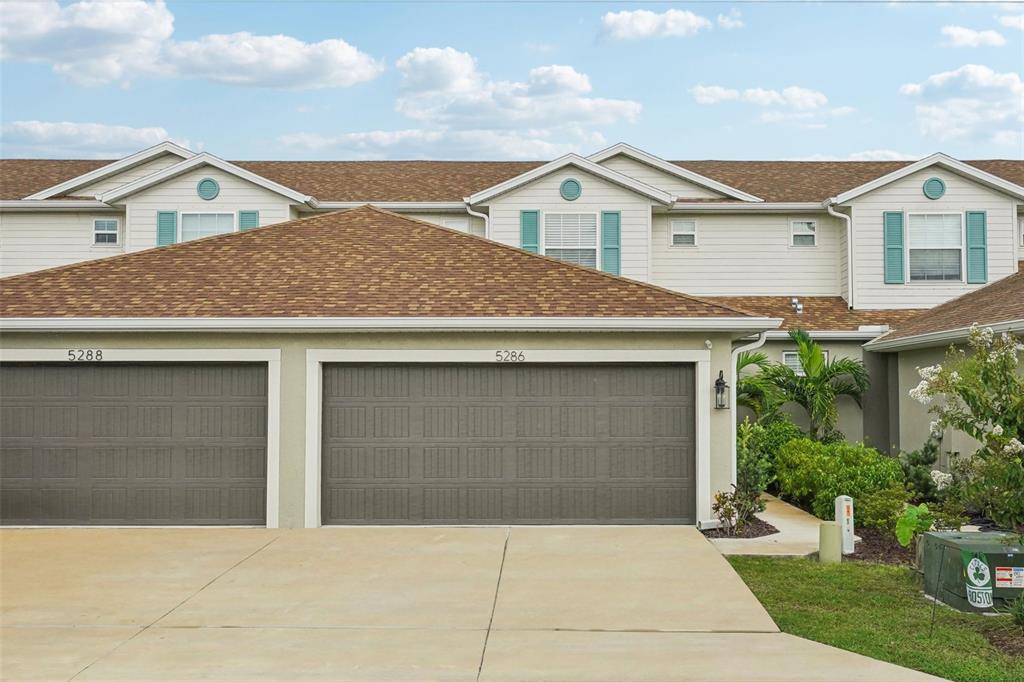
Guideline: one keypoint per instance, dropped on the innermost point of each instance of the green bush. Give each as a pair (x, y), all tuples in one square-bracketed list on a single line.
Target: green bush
[(753, 464), (881, 508), (774, 433), (814, 473)]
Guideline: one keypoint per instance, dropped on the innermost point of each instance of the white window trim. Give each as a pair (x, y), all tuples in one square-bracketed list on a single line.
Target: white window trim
[(107, 245), (672, 233), (1020, 230), (181, 221), (963, 250), (788, 353), (271, 357), (597, 221), (792, 233), (315, 359)]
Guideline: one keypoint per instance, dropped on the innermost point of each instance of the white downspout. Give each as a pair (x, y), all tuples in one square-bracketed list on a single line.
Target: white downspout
[(733, 377), (477, 214), (829, 203)]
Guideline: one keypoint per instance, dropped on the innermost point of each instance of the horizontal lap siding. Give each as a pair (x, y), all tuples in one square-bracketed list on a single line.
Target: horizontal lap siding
[(476, 225), (660, 179), (748, 255), (129, 175), (906, 195), (179, 194), (33, 241), (598, 195)]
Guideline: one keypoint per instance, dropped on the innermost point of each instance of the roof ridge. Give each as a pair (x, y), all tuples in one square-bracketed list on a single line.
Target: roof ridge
[(592, 271)]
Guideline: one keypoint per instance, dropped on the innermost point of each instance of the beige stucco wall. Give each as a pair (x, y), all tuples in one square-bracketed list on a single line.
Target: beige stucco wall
[(293, 375)]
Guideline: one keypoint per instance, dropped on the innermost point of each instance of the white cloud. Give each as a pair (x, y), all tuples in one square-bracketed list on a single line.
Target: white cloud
[(272, 61), (1013, 21), (713, 94), (961, 36), (460, 112), (94, 43), (973, 102), (67, 139), (794, 97), (642, 23), (842, 111), (731, 20)]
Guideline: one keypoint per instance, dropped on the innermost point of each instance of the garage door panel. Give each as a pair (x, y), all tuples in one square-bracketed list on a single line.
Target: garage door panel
[(508, 444), (134, 444)]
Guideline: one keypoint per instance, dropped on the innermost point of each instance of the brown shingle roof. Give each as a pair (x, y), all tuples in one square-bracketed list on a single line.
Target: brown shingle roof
[(364, 262), (1001, 301), (821, 313), (453, 180)]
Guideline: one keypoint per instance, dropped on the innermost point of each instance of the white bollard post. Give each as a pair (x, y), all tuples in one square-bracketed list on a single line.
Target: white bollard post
[(844, 517)]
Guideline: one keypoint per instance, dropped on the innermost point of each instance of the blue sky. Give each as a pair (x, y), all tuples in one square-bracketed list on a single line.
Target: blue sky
[(322, 80)]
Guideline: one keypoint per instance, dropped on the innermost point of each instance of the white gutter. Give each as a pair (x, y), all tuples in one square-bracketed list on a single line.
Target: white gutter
[(733, 378), (941, 338), (395, 205), (477, 214), (743, 207), (8, 205), (834, 335), (400, 324), (829, 203)]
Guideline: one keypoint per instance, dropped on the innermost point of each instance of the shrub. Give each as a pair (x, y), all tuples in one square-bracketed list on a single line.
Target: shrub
[(774, 433), (917, 467), (735, 509), (816, 473), (881, 508), (913, 522), (753, 465)]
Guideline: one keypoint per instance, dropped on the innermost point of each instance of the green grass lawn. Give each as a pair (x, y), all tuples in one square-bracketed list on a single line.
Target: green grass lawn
[(876, 610)]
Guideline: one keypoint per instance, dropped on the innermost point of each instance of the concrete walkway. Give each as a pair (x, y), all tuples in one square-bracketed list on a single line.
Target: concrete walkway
[(583, 603), (797, 536)]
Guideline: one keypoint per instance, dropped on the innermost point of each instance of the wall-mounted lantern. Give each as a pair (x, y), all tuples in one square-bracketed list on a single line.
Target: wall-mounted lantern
[(721, 392)]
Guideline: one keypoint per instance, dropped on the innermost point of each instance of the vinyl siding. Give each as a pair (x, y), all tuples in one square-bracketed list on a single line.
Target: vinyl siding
[(130, 175), (749, 255), (33, 241), (476, 225), (598, 195), (657, 178), (179, 194), (906, 195)]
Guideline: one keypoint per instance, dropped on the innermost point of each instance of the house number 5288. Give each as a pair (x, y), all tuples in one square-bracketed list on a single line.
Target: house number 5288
[(85, 355), (509, 356)]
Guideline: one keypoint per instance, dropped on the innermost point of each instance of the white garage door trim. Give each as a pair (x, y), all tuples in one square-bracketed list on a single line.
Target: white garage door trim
[(191, 355), (315, 359)]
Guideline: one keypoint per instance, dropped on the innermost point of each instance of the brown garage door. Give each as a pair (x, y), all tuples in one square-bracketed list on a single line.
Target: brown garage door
[(508, 444), (133, 444)]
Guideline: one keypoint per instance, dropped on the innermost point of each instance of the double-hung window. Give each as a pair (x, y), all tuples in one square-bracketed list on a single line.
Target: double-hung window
[(803, 232), (791, 359), (104, 232), (198, 225), (683, 232), (571, 237), (935, 247)]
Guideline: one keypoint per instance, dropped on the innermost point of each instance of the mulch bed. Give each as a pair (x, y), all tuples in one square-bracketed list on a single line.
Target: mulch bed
[(755, 529), (1008, 640), (881, 547)]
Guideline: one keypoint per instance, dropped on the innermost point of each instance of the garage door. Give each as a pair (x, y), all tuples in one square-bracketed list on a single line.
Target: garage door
[(508, 444), (133, 444)]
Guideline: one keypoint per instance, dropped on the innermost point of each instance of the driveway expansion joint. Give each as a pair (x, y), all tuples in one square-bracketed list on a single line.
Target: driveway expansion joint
[(494, 604)]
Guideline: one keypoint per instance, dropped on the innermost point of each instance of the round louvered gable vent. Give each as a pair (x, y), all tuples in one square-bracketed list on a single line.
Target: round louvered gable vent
[(571, 189), (208, 189), (934, 188)]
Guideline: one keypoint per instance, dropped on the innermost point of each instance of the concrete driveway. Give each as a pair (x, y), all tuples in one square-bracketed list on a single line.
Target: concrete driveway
[(583, 603)]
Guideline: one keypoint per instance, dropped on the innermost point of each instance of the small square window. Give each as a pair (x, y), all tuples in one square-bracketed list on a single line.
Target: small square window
[(684, 232), (104, 232), (791, 359), (804, 232)]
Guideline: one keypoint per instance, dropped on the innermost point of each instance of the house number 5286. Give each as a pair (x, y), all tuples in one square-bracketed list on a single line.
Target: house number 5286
[(509, 356), (85, 355)]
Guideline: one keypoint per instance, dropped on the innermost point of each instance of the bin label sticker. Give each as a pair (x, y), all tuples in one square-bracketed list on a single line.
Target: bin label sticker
[(1010, 577), (978, 579)]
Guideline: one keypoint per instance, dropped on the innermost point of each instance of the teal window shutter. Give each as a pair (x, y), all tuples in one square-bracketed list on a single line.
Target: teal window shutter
[(892, 227), (611, 223), (248, 220), (529, 231), (166, 227), (977, 248)]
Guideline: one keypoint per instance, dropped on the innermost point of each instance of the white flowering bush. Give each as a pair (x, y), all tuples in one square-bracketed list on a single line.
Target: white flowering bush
[(980, 391)]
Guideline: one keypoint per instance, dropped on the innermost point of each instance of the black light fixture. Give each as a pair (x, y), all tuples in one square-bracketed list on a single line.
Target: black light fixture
[(721, 392)]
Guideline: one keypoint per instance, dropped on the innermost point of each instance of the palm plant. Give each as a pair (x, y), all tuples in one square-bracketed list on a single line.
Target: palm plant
[(752, 391), (820, 383)]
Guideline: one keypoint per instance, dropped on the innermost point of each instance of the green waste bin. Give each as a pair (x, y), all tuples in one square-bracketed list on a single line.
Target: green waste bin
[(972, 571)]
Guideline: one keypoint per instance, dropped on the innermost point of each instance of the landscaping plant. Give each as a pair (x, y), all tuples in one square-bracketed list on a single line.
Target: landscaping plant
[(752, 391), (913, 522), (737, 508), (981, 393), (1015, 610), (881, 508), (819, 386)]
